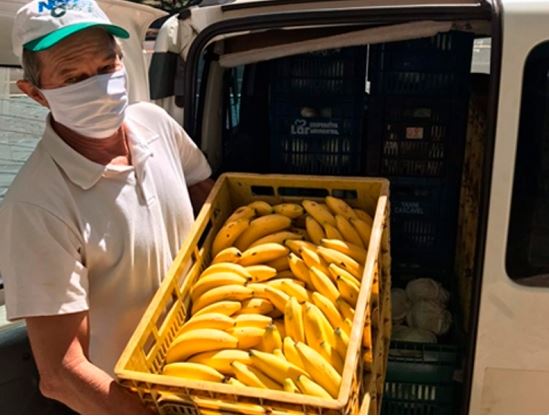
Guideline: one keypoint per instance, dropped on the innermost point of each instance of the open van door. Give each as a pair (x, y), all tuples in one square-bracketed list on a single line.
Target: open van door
[(22, 124)]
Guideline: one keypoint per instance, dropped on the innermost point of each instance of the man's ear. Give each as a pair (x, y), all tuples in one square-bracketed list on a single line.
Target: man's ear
[(32, 91)]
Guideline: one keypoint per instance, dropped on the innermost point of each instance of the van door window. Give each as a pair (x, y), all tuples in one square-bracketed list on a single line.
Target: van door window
[(527, 258)]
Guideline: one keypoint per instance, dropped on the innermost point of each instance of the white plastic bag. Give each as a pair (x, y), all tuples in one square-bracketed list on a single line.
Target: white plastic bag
[(400, 305), (429, 315), (426, 289), (405, 333)]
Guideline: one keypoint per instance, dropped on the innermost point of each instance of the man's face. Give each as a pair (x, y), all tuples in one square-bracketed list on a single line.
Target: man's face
[(78, 57)]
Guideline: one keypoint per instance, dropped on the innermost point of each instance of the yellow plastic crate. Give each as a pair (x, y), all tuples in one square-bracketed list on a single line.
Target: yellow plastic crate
[(141, 362)]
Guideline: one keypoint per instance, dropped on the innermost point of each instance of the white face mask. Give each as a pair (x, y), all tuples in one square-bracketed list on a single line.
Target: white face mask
[(94, 107)]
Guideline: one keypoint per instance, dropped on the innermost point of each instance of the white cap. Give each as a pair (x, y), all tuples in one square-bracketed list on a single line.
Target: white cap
[(40, 24)]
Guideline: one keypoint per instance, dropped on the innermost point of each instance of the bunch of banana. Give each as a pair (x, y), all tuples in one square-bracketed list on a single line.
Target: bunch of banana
[(275, 307)]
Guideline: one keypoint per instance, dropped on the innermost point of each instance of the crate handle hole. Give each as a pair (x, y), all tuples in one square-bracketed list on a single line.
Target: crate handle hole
[(263, 190), (345, 193)]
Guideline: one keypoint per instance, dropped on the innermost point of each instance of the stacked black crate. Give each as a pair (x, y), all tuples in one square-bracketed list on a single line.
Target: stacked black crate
[(416, 134), (316, 111)]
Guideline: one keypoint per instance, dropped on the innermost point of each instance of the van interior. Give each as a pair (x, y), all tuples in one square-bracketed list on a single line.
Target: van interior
[(405, 100)]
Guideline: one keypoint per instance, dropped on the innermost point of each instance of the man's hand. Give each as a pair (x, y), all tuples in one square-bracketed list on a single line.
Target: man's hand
[(199, 192), (60, 348)]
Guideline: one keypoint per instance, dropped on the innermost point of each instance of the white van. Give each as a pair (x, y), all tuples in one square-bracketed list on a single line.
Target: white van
[(447, 98)]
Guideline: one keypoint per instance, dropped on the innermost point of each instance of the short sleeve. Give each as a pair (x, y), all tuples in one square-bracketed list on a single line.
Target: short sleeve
[(40, 263)]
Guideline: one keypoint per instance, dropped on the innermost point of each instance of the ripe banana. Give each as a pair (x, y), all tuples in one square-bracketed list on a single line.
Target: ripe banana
[(226, 407), (321, 371), (319, 212), (278, 237), (299, 268), (280, 264), (290, 386), (199, 340), (228, 255), (213, 320), (342, 260), (278, 352), (328, 308), (337, 271), (339, 206), (291, 288), (261, 272), (221, 359), (314, 229), (348, 289), (233, 382), (277, 297), (293, 320), (252, 319), (364, 216), (331, 232), (333, 357), (227, 307), (247, 336), (256, 305), (260, 227), (192, 371), (229, 292), (261, 207), (364, 230), (252, 377), (288, 209), (342, 342), (214, 280), (308, 386), (271, 339), (348, 232), (291, 354), (274, 367), (279, 323), (297, 246), (225, 267), (346, 310), (317, 327), (322, 283), (228, 234), (352, 250), (262, 253), (311, 258), (241, 212)]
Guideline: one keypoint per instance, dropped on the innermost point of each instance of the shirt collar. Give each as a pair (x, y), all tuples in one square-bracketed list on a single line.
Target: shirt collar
[(86, 173)]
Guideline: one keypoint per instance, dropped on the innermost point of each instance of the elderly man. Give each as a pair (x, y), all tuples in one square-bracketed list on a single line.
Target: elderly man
[(95, 217)]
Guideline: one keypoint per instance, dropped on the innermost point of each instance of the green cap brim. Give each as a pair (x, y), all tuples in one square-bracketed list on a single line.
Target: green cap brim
[(49, 40)]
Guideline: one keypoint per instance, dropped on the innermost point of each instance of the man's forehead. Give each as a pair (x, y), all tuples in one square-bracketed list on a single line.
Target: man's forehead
[(94, 40)]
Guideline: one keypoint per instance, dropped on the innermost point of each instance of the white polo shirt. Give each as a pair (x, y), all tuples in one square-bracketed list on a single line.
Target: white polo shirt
[(76, 235)]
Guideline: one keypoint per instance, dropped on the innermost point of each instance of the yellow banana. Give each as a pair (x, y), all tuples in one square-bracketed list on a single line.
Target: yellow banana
[(348, 232), (213, 320), (262, 253), (328, 308), (291, 354), (348, 289), (319, 212), (322, 283), (221, 359), (297, 245), (260, 227), (192, 371), (342, 342), (261, 272), (241, 212), (288, 209), (228, 234), (346, 310), (252, 377), (363, 229), (320, 369), (311, 258), (274, 367), (233, 382), (279, 323), (364, 216), (277, 297), (227, 307), (309, 387), (314, 229), (339, 206), (229, 292), (342, 260), (337, 271), (271, 339), (352, 250), (290, 386), (214, 280), (247, 336), (278, 237), (225, 267), (278, 352), (252, 319), (317, 327), (199, 340), (291, 288), (256, 305), (293, 320), (299, 268), (348, 326), (261, 207), (333, 357), (226, 407), (331, 232), (227, 255), (280, 264)]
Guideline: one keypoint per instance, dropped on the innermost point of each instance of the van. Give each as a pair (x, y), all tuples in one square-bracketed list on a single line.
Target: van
[(446, 98)]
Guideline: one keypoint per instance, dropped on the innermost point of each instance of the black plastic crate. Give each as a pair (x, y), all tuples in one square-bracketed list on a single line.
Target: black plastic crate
[(434, 66), (328, 74), (423, 226), (420, 379)]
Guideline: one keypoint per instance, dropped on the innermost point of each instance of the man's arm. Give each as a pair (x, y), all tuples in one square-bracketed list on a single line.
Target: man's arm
[(60, 348), (199, 192)]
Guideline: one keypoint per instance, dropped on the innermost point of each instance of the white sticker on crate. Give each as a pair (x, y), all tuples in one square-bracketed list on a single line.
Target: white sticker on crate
[(301, 127)]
